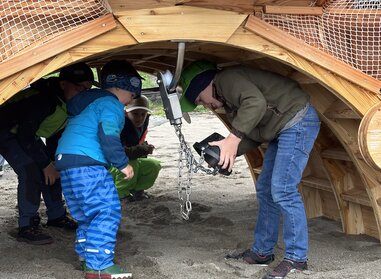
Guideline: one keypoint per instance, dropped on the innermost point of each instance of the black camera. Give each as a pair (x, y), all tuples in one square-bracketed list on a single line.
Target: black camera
[(211, 153)]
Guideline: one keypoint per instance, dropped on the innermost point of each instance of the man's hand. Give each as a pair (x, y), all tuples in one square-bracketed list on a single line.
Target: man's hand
[(128, 172), (228, 150), (50, 174)]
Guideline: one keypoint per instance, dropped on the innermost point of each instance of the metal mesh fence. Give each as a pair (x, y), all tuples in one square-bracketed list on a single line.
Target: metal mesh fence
[(349, 30), (25, 23)]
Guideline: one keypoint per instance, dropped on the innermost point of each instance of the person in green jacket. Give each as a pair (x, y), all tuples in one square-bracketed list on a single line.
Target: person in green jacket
[(263, 106), (133, 138), (34, 113)]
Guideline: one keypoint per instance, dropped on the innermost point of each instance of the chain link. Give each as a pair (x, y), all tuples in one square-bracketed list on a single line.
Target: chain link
[(184, 183)]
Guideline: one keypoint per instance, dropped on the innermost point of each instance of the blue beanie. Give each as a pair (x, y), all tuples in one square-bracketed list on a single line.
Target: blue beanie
[(198, 84), (125, 82)]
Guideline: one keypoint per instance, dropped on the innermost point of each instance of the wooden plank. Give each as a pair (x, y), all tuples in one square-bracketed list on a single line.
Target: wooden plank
[(320, 2), (59, 44), (330, 209), (370, 223), (356, 196), (318, 183), (336, 153), (13, 84), (293, 10), (184, 25), (313, 203), (120, 6), (369, 137), (347, 12), (339, 110), (302, 78), (243, 6), (315, 55), (50, 8), (105, 45)]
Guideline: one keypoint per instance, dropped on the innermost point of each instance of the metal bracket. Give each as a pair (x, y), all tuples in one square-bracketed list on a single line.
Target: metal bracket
[(167, 85)]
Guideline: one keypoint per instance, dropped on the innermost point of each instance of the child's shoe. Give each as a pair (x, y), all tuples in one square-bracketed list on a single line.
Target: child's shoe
[(112, 272), (82, 264)]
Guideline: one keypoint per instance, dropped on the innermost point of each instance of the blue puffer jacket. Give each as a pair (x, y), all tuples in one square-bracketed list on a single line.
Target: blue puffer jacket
[(91, 137)]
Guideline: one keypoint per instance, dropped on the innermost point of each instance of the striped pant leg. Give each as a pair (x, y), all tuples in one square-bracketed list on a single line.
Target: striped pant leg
[(68, 178), (99, 203)]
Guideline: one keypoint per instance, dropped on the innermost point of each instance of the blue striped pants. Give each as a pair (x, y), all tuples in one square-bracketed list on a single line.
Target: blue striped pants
[(93, 201)]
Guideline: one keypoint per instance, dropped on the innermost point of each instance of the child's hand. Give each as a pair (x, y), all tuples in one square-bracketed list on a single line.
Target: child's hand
[(128, 172), (50, 174)]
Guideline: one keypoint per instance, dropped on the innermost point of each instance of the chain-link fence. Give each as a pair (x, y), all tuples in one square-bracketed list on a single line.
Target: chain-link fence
[(25, 23), (349, 30)]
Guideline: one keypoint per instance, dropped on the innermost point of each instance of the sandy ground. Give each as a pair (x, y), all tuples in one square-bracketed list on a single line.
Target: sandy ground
[(155, 243)]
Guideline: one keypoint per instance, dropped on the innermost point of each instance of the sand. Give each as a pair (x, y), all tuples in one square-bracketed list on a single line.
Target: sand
[(154, 242)]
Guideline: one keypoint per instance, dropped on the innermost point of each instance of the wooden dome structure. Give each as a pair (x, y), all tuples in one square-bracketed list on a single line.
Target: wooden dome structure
[(342, 180)]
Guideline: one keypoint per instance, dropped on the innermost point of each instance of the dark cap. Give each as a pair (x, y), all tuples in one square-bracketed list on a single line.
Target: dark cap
[(199, 83), (119, 67), (78, 72)]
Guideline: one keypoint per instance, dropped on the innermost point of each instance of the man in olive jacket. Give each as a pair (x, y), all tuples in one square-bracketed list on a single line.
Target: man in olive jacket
[(262, 106)]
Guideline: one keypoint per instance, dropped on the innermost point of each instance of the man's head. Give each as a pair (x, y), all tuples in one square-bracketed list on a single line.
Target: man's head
[(121, 75), (194, 79), (137, 110), (75, 78)]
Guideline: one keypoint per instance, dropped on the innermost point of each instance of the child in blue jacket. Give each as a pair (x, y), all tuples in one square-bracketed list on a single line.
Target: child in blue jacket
[(89, 145)]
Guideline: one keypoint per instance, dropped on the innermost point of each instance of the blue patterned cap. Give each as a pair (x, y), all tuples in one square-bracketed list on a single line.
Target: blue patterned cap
[(125, 82)]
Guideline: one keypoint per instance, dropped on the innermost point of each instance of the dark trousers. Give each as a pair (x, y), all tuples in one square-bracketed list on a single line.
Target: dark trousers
[(31, 183)]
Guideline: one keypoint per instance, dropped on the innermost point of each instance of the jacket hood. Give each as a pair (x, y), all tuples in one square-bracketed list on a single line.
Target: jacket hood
[(79, 102)]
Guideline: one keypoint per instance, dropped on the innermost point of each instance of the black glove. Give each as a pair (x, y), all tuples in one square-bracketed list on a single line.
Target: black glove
[(139, 151)]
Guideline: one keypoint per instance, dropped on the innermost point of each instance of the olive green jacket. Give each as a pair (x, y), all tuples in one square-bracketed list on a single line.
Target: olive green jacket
[(258, 103)]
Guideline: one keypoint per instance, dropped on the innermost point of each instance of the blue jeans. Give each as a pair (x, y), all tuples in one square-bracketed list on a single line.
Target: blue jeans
[(277, 190)]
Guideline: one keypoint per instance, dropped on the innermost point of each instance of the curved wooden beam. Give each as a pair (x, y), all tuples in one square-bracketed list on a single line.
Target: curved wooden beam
[(358, 203)]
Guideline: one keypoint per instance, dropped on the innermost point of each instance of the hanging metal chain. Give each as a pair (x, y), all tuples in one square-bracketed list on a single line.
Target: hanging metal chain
[(184, 184)]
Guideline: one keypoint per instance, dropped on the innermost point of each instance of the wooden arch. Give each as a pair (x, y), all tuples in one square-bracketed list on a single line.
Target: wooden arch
[(337, 183)]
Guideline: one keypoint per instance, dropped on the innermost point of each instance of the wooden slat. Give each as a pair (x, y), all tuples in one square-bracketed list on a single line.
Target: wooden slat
[(369, 137), (293, 10), (108, 44), (367, 12), (315, 55), (185, 23), (65, 41), (339, 110), (356, 196), (336, 153), (50, 8), (123, 5), (318, 183), (320, 2), (302, 78), (243, 6), (59, 44)]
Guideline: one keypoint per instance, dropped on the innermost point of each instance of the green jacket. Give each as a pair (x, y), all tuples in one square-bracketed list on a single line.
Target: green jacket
[(258, 103), (38, 111)]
